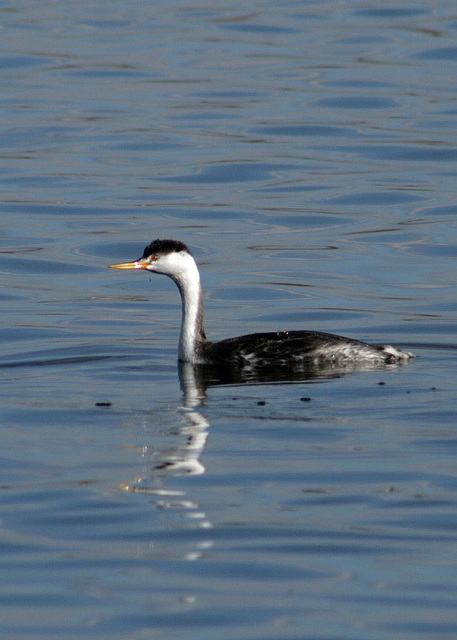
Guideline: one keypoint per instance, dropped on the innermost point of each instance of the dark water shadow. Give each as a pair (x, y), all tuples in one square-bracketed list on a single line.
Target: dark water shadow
[(46, 362)]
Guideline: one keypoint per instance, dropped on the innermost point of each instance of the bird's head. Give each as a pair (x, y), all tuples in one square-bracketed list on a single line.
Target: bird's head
[(168, 257)]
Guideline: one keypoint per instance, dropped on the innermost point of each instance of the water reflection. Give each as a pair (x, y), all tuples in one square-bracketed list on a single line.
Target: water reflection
[(166, 465), (189, 437), (184, 457), (205, 376)]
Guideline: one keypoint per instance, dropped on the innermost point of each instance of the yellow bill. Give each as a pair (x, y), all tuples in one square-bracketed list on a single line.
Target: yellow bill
[(138, 264)]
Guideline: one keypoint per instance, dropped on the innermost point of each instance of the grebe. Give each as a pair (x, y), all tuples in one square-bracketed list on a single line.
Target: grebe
[(173, 259)]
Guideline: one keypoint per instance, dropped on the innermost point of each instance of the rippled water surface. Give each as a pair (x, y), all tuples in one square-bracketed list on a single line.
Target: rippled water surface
[(306, 152)]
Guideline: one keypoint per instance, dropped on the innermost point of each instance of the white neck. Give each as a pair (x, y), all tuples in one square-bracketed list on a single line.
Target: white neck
[(192, 332)]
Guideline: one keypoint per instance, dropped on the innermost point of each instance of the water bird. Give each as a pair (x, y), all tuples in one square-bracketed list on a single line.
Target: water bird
[(274, 349)]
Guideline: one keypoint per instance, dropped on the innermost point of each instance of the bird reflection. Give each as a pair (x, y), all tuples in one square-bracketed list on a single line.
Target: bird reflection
[(190, 436), (201, 377)]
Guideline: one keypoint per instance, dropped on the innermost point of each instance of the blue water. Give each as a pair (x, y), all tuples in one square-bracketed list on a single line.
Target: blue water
[(306, 152)]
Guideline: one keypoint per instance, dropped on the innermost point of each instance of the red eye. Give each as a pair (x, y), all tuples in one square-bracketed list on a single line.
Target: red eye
[(153, 258)]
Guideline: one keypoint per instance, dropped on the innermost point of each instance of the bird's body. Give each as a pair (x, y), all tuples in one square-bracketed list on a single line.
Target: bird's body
[(285, 348), (296, 347)]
